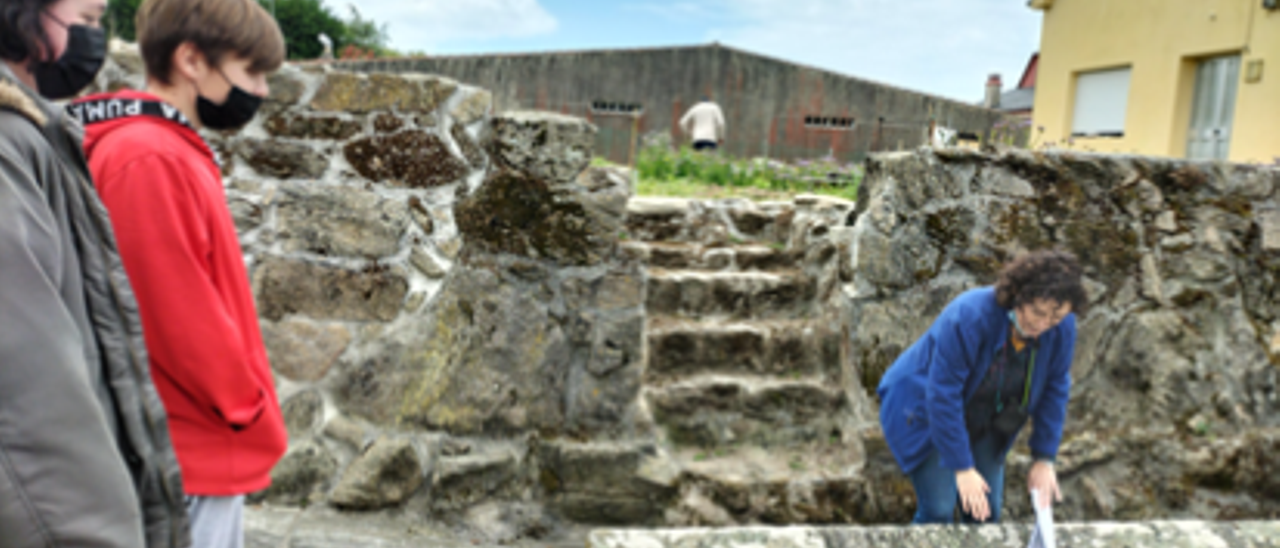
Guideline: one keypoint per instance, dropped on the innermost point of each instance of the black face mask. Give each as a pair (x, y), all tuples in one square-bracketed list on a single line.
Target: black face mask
[(64, 78), (234, 113)]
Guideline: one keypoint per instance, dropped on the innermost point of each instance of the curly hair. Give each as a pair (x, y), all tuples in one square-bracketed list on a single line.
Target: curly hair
[(1046, 274), (22, 36)]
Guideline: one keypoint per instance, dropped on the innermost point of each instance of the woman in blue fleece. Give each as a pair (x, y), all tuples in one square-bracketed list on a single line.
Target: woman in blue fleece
[(953, 403)]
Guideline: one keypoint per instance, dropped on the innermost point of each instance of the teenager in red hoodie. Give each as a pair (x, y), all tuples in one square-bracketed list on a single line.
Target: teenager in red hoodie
[(207, 63)]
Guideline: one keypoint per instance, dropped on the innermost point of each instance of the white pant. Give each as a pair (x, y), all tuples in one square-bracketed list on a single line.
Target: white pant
[(216, 522)]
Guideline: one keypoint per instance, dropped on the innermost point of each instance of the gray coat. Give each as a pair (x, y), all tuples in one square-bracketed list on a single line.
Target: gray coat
[(85, 458)]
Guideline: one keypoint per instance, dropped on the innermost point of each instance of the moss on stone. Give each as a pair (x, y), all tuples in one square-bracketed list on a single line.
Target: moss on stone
[(1034, 168), (984, 263), (517, 214), (286, 88), (1236, 205), (282, 160), (284, 287), (875, 360), (929, 271), (1186, 178), (1192, 297), (1095, 175), (950, 228), (414, 159), (439, 364), (311, 127), (342, 91), (386, 122), (472, 108), (1018, 224), (1110, 248), (549, 480)]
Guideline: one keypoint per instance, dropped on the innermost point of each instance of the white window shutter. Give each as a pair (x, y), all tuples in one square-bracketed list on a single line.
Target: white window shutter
[(1102, 100)]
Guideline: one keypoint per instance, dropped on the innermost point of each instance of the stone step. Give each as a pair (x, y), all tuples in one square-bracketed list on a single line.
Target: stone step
[(724, 222), (792, 349), (726, 411), (811, 483), (687, 256), (658, 218), (736, 295)]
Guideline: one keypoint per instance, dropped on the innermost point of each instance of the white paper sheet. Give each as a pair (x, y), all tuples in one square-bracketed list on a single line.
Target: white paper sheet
[(1042, 535)]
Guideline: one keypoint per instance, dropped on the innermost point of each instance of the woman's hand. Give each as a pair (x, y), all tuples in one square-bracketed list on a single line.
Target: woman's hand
[(1045, 480), (973, 494)]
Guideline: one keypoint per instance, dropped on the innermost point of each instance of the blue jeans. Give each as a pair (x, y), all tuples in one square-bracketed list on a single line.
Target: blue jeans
[(216, 522), (935, 484)]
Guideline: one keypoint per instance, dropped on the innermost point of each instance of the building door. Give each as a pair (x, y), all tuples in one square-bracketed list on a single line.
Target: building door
[(618, 126), (1212, 108), (614, 136)]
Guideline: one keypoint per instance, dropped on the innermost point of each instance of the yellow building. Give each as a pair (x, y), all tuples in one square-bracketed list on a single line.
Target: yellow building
[(1183, 78)]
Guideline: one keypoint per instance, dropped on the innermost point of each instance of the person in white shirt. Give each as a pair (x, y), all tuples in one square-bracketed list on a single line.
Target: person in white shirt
[(707, 123)]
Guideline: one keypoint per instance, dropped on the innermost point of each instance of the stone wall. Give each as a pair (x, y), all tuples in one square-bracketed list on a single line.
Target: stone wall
[(469, 324), (1174, 410), (440, 290), (433, 306)]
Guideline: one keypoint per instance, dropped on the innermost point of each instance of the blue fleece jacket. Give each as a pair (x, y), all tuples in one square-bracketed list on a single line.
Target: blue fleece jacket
[(923, 395)]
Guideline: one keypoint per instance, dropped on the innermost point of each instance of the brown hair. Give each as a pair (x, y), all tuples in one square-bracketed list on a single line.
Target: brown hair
[(216, 28), (1046, 274), (22, 36)]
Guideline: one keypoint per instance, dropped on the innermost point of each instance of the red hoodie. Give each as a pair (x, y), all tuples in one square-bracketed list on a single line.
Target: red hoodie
[(163, 190)]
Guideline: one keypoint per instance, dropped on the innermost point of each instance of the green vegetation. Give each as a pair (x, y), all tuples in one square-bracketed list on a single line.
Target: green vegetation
[(685, 173), (797, 464), (301, 22), (120, 17), (368, 35), (1202, 428)]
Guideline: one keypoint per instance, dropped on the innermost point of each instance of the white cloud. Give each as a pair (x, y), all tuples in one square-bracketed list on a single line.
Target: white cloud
[(675, 11), (947, 47), (423, 24)]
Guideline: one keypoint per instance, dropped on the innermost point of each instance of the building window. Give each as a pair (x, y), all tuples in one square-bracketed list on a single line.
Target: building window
[(614, 107), (1213, 108), (1102, 100), (828, 122)]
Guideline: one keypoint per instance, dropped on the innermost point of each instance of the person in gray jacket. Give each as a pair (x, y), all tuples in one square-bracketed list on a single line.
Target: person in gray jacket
[(85, 458)]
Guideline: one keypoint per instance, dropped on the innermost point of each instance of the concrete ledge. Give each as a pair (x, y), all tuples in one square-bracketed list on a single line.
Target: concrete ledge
[(1165, 534), (322, 527)]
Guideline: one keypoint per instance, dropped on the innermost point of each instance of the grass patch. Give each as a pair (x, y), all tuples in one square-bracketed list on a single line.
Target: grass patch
[(687, 174)]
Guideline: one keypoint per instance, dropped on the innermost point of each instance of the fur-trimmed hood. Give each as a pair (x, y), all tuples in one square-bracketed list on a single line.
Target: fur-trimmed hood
[(78, 336), (16, 97)]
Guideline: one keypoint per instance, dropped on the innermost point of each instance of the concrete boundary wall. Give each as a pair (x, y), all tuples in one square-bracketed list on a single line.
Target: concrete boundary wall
[(766, 100)]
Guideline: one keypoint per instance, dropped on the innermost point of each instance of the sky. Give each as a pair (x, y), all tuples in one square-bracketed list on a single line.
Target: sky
[(943, 47)]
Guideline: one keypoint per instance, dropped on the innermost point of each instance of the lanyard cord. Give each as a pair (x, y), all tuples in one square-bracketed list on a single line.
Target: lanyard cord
[(1008, 361)]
